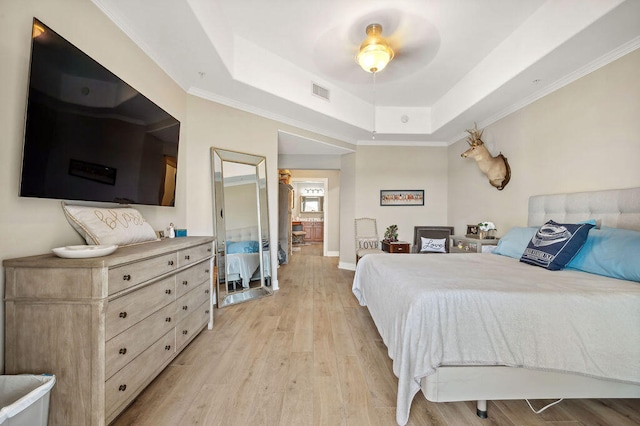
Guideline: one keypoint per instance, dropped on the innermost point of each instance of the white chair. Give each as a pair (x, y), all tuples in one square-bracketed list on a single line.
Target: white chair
[(367, 240)]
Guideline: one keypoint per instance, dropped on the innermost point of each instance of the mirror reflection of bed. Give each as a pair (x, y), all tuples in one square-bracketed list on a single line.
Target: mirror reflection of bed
[(242, 227)]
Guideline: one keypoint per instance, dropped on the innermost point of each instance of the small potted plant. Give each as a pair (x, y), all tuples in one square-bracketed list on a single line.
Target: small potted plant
[(391, 234), (486, 230)]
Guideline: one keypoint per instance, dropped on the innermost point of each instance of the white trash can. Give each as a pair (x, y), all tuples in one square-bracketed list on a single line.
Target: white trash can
[(24, 399)]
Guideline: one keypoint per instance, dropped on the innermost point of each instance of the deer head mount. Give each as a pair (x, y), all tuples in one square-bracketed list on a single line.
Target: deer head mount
[(496, 168)]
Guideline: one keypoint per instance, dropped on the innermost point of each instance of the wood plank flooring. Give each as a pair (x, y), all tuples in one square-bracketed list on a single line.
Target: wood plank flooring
[(310, 355)]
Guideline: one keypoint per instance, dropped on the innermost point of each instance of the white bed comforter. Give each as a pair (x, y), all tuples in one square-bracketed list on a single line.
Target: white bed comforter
[(246, 265), (486, 309)]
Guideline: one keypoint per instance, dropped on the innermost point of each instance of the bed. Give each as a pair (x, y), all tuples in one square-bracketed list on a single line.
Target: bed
[(477, 327), (243, 255)]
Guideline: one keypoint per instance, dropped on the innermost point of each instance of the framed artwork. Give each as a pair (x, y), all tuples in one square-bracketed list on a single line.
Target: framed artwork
[(472, 231), (394, 197)]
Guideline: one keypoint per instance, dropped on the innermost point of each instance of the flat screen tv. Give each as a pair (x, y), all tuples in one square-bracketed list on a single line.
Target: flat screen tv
[(89, 135)]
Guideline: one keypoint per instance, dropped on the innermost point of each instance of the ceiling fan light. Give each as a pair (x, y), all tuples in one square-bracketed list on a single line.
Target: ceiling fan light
[(375, 53), (38, 30)]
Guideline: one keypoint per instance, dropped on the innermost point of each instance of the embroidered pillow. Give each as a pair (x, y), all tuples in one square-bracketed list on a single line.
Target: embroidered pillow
[(555, 244), (107, 226), (433, 245)]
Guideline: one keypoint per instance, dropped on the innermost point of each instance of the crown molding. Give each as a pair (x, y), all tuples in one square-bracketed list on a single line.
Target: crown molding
[(401, 143), (592, 66)]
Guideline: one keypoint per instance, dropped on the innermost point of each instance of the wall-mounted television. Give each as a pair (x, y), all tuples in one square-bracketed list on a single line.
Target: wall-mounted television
[(89, 135)]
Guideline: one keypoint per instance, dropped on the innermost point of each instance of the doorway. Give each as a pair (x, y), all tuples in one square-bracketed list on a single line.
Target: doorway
[(311, 207)]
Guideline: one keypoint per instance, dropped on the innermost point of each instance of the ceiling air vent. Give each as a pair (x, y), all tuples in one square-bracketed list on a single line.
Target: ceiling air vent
[(320, 92)]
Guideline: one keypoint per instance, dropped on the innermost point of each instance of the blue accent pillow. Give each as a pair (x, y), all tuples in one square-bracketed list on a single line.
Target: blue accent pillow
[(611, 252), (235, 247), (513, 243), (555, 244)]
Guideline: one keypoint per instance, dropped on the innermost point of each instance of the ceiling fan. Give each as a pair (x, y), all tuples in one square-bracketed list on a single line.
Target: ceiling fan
[(413, 40)]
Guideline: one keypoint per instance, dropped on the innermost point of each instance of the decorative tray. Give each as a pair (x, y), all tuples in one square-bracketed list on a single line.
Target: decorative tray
[(81, 252)]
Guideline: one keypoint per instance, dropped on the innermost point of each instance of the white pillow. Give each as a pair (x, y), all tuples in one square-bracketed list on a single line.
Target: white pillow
[(107, 226), (433, 245)]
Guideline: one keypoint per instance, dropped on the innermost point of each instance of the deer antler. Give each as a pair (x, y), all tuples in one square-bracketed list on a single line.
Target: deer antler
[(475, 136)]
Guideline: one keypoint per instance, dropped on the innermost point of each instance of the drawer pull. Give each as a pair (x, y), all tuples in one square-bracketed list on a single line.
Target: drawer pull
[(184, 331), (187, 257), (209, 249), (126, 277), (122, 315), (206, 271), (185, 307), (167, 348), (122, 388), (168, 291), (206, 312), (206, 291), (122, 351), (170, 263), (185, 282), (167, 319)]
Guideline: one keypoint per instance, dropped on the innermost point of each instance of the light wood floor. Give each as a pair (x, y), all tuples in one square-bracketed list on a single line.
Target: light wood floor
[(310, 355)]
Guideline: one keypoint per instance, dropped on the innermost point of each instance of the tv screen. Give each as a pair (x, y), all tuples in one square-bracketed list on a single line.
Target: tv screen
[(89, 135)]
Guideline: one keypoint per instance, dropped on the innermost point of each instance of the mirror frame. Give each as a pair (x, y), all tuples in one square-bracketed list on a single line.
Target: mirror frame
[(218, 157)]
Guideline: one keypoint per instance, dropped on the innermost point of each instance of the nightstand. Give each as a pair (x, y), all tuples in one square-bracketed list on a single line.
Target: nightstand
[(461, 244), (396, 247)]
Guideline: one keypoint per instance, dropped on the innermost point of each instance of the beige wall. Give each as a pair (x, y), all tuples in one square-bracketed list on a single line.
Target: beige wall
[(583, 137), (240, 206), (379, 168), (347, 211)]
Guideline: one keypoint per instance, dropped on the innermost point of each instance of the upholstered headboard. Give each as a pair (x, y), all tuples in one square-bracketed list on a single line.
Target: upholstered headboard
[(615, 208), (243, 234)]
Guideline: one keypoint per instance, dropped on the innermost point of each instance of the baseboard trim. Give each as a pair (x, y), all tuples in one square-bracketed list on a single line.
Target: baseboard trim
[(347, 265)]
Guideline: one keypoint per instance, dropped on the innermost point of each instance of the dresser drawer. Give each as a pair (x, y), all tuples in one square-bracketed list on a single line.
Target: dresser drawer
[(396, 247), (194, 254), (188, 279), (187, 303), (126, 346), (189, 326), (126, 311), (399, 248), (126, 382), (135, 273)]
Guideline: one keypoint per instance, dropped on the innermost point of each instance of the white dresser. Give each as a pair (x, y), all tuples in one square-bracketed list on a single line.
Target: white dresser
[(107, 326)]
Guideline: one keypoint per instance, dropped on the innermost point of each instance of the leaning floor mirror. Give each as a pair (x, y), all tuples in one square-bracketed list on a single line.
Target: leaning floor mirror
[(241, 221)]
